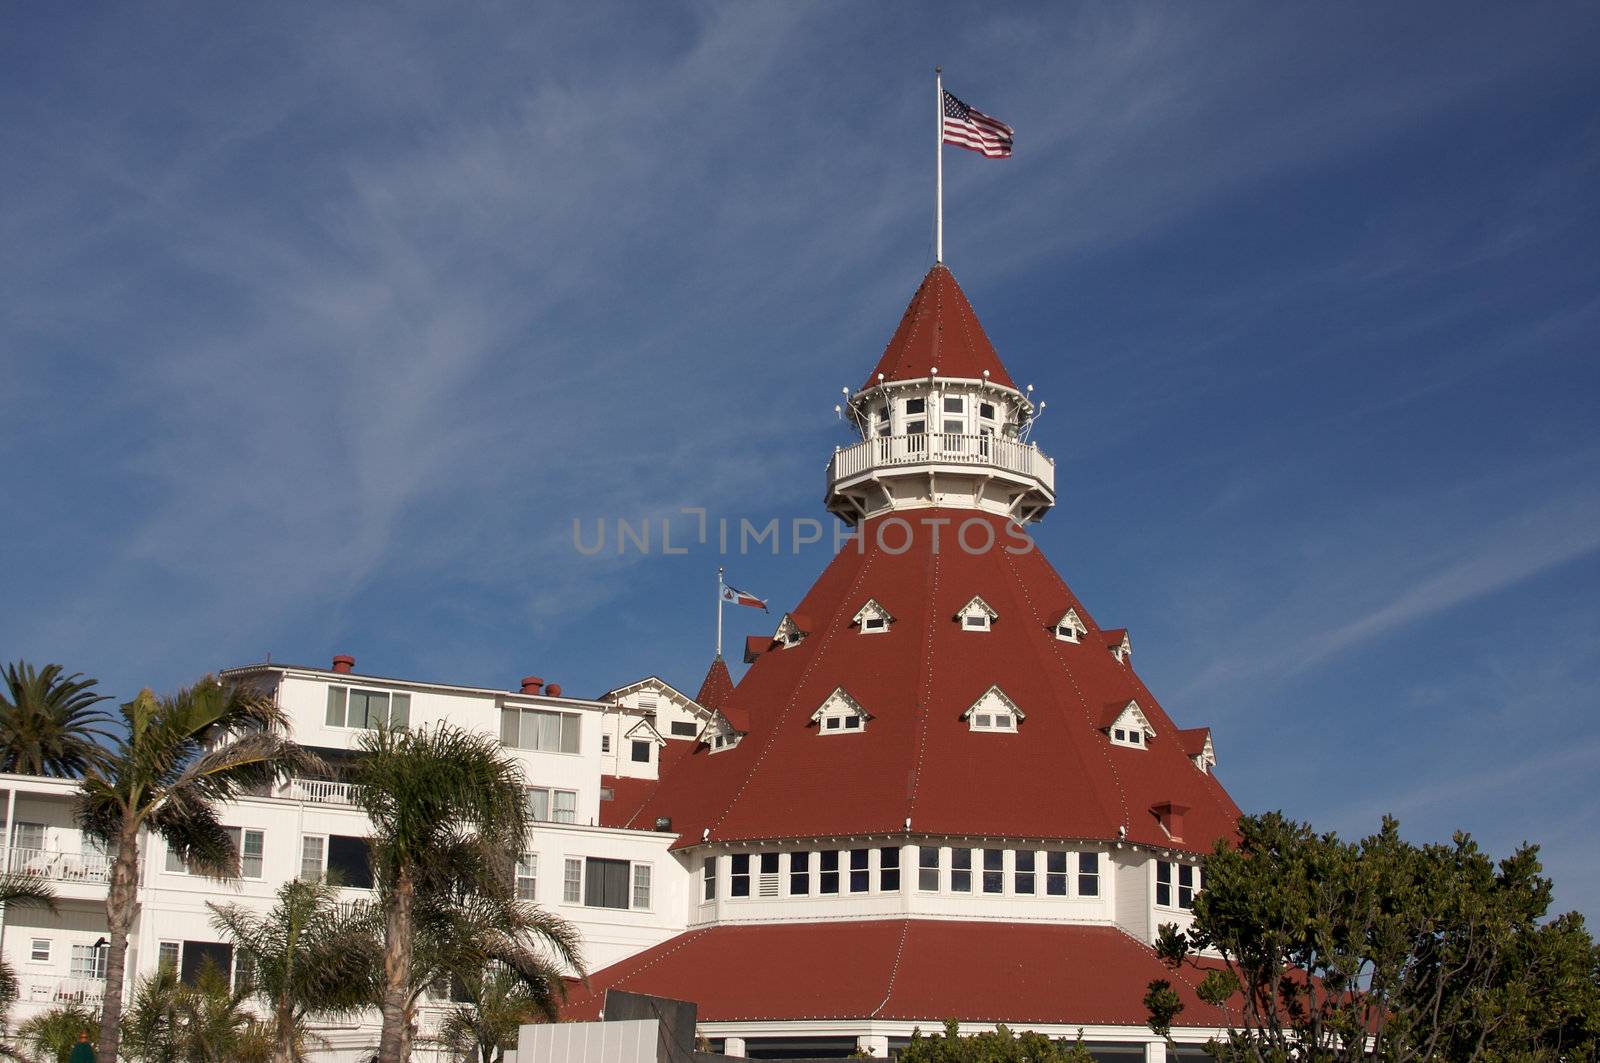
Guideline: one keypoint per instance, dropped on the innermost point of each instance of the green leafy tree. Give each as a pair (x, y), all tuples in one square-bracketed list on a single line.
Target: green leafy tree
[(448, 816), (484, 1026), (1000, 1045), (182, 757), (310, 958), (51, 1034), (19, 891), (1331, 950), (48, 722), (170, 1021)]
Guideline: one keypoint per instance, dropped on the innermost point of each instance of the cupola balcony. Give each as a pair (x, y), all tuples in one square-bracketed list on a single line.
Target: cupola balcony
[(979, 471)]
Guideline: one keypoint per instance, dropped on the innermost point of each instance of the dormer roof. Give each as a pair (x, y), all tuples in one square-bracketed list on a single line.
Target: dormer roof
[(1119, 645), (1125, 713), (976, 604), (839, 700), (873, 610), (644, 731), (940, 331), (988, 697)]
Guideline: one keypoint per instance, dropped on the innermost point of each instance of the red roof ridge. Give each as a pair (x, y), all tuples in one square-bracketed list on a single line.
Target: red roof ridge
[(894, 971)]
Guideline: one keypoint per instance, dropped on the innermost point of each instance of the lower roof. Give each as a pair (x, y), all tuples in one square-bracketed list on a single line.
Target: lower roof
[(919, 970)]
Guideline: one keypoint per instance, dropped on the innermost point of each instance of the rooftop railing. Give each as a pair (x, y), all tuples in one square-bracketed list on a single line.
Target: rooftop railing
[(950, 448)]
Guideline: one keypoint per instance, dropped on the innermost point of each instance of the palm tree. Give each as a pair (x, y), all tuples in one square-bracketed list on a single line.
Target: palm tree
[(51, 1034), (310, 958), (448, 816), (19, 890), (207, 1022), (182, 756), (484, 1026), (48, 722)]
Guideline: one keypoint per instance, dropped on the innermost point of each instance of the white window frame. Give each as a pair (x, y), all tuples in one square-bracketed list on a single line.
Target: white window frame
[(1180, 894), (1071, 628), (572, 883), (977, 615), (872, 618), (340, 693), (34, 950), (554, 797), (936, 868), (840, 714), (572, 887), (995, 705), (88, 962), (169, 952), (640, 880), (321, 841), (534, 743), (176, 865), (527, 876), (708, 880)]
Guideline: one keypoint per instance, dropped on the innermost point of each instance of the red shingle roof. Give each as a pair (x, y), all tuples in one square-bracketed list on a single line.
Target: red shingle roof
[(1193, 740), (940, 330), (1057, 776), (717, 687), (921, 970), (755, 646)]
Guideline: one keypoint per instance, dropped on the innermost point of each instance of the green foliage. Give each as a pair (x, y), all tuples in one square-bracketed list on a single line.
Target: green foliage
[(1000, 1045), (311, 958), (170, 1021), (20, 891), (484, 1027), (48, 722), (50, 1035), (1332, 949)]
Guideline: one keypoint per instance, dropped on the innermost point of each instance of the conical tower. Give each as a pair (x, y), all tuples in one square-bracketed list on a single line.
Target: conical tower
[(944, 762)]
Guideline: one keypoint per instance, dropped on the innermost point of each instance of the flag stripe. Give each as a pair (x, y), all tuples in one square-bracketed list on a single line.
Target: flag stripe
[(968, 128)]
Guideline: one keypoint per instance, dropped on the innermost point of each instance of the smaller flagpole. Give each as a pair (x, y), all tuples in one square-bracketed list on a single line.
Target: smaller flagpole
[(719, 610), (938, 151)]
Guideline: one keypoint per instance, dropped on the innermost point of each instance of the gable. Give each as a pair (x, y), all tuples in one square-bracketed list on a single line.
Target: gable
[(994, 699)]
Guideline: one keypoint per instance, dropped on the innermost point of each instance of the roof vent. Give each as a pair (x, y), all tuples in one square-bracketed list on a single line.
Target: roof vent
[(532, 684), (553, 690), (1170, 815), (344, 663)]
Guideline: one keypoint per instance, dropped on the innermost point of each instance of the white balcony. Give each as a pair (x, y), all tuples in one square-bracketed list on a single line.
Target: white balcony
[(90, 992), (1020, 479), (59, 866), (945, 448), (322, 792)]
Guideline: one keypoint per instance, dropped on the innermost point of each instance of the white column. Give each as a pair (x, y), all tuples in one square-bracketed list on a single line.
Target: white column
[(874, 1045), (1155, 1052), (733, 1046)]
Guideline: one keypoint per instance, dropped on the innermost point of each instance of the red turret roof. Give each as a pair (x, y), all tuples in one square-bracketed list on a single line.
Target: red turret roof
[(1058, 776), (717, 687), (940, 330)]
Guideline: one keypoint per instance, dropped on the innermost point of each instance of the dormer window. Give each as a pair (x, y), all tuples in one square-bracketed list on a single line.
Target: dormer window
[(1071, 628), (720, 735), (976, 615), (1117, 642), (1126, 725), (872, 618), (1197, 747), (840, 714), (993, 712), (791, 631)]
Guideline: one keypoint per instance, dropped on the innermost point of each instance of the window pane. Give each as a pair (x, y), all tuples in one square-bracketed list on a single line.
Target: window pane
[(928, 868), (1055, 879), (572, 881), (708, 875), (641, 752), (641, 885), (174, 861), (739, 875), (571, 729), (538, 803), (527, 876), (859, 881), (167, 956), (549, 731), (953, 405), (566, 810), (915, 405), (400, 710), (336, 696), (888, 870), (685, 728), (799, 874), (510, 720), (994, 866), (1022, 881), (310, 858), (250, 855), (348, 858), (961, 870), (829, 878), (1088, 874)]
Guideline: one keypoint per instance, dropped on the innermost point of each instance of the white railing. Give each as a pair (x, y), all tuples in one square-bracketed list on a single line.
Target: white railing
[(58, 865), (87, 991), (322, 791), (951, 448)]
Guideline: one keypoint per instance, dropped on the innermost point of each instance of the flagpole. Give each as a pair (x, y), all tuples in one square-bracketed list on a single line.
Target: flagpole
[(938, 151), (719, 610)]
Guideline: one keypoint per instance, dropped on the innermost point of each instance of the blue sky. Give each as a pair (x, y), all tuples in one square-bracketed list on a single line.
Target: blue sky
[(320, 324)]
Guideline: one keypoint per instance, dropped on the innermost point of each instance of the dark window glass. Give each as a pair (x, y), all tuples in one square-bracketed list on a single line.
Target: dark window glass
[(830, 872), (915, 406), (769, 863), (1055, 877), (1024, 872), (986, 410), (852, 723), (197, 955), (1186, 877), (799, 873), (860, 877), (685, 728), (928, 868), (709, 873), (739, 877), (994, 871), (961, 870), (1163, 883), (349, 860), (1088, 874), (605, 883), (641, 752), (916, 428), (953, 406), (888, 870)]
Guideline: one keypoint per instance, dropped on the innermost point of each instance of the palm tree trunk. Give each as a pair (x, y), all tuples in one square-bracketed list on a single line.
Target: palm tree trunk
[(121, 907), (396, 970), (283, 1034)]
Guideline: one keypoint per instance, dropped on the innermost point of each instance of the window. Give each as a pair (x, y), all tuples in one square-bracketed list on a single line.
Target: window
[(954, 405), (883, 421), (993, 712), (994, 871), (244, 971), (1022, 876), (769, 885), (248, 844), (1055, 874), (986, 410), (685, 728), (954, 427), (708, 878), (961, 870), (311, 857), (552, 806), (27, 836), (928, 868), (799, 874), (976, 615), (916, 406), (916, 428), (198, 955), (572, 881), (39, 950), (641, 885), (1128, 725), (640, 752), (167, 956), (840, 714), (1088, 874), (1188, 883), (605, 743), (872, 618), (371, 709), (888, 869), (874, 623), (88, 961), (828, 881), (528, 877), (349, 861), (537, 729), (739, 876), (860, 876)]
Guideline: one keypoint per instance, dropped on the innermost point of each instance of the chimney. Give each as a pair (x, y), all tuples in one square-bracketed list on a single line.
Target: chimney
[(1171, 817), (554, 690), (344, 663), (531, 684)]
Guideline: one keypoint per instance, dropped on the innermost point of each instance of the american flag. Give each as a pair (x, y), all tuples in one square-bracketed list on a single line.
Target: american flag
[(968, 127)]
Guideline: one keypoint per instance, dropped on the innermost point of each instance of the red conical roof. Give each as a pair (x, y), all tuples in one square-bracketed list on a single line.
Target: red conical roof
[(940, 330), (717, 686), (1057, 776)]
